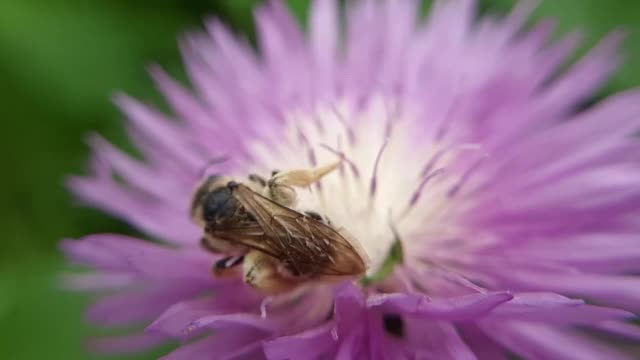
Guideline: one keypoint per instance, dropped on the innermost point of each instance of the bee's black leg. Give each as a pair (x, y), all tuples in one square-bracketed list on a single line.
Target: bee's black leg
[(228, 262)]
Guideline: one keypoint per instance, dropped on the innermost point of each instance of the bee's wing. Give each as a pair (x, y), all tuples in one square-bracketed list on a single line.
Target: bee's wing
[(308, 246), (247, 233)]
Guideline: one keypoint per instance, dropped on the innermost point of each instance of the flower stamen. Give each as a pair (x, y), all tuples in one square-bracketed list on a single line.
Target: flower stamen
[(455, 189), (374, 176), (351, 135)]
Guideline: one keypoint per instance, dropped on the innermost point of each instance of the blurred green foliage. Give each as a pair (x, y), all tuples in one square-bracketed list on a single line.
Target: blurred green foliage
[(60, 61)]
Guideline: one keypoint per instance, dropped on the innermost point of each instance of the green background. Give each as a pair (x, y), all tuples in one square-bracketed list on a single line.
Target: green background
[(60, 61)]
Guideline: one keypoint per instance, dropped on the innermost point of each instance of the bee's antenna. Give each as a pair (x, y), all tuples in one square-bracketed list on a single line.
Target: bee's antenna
[(211, 162)]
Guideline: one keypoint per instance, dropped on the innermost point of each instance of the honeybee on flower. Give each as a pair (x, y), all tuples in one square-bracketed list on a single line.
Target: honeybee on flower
[(492, 213)]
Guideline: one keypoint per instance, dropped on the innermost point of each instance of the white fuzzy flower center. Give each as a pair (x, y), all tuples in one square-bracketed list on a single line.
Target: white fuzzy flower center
[(391, 177)]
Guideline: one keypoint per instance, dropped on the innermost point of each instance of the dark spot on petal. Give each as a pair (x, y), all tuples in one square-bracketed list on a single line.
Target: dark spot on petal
[(393, 324)]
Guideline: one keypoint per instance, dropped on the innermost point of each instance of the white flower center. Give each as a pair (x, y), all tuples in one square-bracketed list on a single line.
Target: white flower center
[(392, 176)]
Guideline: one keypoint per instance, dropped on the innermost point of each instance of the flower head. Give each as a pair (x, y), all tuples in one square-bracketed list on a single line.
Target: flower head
[(498, 214)]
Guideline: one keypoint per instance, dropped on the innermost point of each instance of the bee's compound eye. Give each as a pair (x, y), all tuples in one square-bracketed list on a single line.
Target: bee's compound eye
[(275, 172), (202, 191), (218, 203)]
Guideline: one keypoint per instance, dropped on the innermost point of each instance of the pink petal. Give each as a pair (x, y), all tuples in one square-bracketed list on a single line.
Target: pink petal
[(152, 216), (155, 125), (324, 40), (555, 309), (461, 308), (179, 319), (131, 307), (436, 340), (220, 345), (148, 260), (612, 290), (630, 331), (535, 341), (481, 345), (297, 347)]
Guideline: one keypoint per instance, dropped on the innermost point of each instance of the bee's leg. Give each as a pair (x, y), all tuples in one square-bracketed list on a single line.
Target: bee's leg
[(261, 272), (228, 266), (302, 177), (280, 186), (219, 246)]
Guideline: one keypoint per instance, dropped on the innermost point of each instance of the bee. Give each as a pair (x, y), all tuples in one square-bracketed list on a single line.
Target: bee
[(279, 248)]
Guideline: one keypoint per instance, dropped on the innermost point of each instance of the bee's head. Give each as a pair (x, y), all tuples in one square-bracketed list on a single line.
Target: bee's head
[(211, 200), (219, 204)]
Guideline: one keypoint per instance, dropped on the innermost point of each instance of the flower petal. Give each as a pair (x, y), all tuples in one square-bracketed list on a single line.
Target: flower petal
[(630, 331), (220, 345), (461, 308), (612, 290), (297, 347), (555, 309), (178, 320), (155, 125), (436, 340), (481, 345), (150, 215), (131, 307), (536, 341), (324, 40), (144, 259)]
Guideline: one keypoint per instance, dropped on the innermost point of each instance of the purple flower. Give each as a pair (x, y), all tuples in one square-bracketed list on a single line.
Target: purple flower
[(465, 147)]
